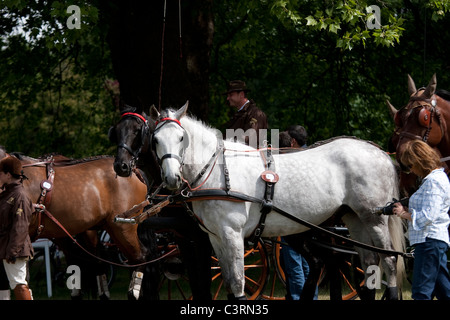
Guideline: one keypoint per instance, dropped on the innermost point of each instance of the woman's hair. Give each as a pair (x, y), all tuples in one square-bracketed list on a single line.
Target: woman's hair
[(421, 155)]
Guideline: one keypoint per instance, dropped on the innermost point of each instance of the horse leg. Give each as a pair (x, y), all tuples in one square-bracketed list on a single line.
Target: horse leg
[(359, 233), (196, 252), (91, 241), (148, 275), (378, 228), (229, 249), (137, 246)]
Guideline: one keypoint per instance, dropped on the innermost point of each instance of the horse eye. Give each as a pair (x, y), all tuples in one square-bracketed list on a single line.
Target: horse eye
[(181, 139)]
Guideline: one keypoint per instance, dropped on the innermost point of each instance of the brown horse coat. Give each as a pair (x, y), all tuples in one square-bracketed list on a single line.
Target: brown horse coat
[(87, 195)]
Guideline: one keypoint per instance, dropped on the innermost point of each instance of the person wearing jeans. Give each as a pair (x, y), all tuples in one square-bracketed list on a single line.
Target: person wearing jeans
[(428, 222)]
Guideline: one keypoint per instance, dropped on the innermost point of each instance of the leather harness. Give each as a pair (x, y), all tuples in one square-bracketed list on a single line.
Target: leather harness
[(186, 193), (45, 196)]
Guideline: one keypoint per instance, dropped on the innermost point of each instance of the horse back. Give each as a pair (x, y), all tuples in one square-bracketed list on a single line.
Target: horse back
[(86, 194)]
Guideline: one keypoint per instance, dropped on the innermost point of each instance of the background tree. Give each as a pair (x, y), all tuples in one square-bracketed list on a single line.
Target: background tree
[(308, 62)]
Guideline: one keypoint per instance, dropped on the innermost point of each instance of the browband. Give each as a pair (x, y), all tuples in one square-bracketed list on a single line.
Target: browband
[(134, 114), (169, 119)]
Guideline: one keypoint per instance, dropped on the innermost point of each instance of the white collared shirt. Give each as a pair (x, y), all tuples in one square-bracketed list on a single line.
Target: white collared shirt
[(243, 105), (429, 207)]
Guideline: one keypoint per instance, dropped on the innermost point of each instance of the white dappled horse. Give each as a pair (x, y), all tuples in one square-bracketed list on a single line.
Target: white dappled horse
[(347, 175)]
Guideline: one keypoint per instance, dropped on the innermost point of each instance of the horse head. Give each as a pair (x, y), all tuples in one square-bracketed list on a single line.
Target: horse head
[(169, 142), (421, 119), (132, 136)]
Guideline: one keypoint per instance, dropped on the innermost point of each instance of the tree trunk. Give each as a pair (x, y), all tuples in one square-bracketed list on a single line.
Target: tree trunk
[(135, 37)]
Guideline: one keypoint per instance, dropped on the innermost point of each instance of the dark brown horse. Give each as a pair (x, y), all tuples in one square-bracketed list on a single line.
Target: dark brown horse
[(86, 195), (132, 134), (426, 116)]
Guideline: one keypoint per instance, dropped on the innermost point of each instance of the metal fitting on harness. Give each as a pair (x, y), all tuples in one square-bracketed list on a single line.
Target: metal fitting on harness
[(266, 206)]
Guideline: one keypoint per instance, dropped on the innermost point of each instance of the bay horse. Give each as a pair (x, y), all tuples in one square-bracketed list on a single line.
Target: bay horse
[(86, 195), (345, 175), (426, 117), (132, 135)]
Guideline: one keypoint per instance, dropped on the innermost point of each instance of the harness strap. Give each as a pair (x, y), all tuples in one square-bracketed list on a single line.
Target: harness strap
[(267, 203), (45, 196), (195, 217), (220, 194), (51, 217)]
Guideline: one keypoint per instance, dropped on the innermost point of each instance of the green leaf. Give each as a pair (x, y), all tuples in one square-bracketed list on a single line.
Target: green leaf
[(310, 21)]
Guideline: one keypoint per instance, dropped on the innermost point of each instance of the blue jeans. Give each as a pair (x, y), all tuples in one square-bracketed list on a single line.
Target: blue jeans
[(430, 274), (296, 270)]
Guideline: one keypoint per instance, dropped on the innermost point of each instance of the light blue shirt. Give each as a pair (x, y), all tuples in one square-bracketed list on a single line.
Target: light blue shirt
[(429, 207)]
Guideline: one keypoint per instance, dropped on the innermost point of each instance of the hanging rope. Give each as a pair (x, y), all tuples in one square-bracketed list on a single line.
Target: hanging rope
[(162, 55), (162, 47), (179, 25)]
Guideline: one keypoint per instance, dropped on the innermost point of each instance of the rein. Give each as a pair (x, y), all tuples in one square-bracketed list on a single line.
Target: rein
[(186, 193), (45, 199), (230, 195), (50, 216)]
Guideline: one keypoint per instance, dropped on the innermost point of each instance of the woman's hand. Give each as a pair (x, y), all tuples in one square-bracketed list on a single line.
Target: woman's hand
[(401, 211)]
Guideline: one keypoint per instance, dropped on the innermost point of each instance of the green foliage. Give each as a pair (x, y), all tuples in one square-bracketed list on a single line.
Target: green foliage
[(53, 90), (316, 63)]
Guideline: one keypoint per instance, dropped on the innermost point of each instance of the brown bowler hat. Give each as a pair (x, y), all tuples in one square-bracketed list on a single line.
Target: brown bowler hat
[(11, 165), (236, 85)]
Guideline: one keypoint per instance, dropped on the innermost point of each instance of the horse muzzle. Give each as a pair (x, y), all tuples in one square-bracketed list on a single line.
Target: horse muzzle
[(172, 182), (122, 169)]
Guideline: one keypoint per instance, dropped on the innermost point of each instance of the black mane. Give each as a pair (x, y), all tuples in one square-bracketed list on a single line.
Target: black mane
[(444, 94)]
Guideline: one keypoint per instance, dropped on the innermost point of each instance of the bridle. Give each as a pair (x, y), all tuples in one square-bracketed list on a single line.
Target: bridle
[(145, 131), (161, 123), (426, 115)]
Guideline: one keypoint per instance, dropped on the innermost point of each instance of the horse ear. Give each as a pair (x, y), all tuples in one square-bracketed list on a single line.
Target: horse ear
[(154, 114), (411, 86), (182, 111), (392, 110), (431, 88), (146, 109)]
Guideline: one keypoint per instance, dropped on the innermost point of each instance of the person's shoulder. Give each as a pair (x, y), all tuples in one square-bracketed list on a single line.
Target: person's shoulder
[(437, 179), (252, 107)]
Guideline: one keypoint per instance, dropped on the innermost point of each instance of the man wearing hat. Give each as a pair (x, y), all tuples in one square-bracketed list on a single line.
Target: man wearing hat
[(15, 214), (248, 115)]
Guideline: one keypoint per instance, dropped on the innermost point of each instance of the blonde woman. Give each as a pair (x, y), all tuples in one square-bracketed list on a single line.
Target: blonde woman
[(428, 222)]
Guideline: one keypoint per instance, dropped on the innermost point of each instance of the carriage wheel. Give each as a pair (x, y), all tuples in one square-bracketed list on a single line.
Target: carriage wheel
[(276, 289), (349, 272), (256, 268), (175, 283)]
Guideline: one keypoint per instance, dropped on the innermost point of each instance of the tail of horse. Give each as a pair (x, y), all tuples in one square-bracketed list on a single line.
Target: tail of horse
[(398, 242)]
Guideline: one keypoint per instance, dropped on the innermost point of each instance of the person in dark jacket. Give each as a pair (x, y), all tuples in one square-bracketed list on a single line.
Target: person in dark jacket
[(15, 214), (248, 115)]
